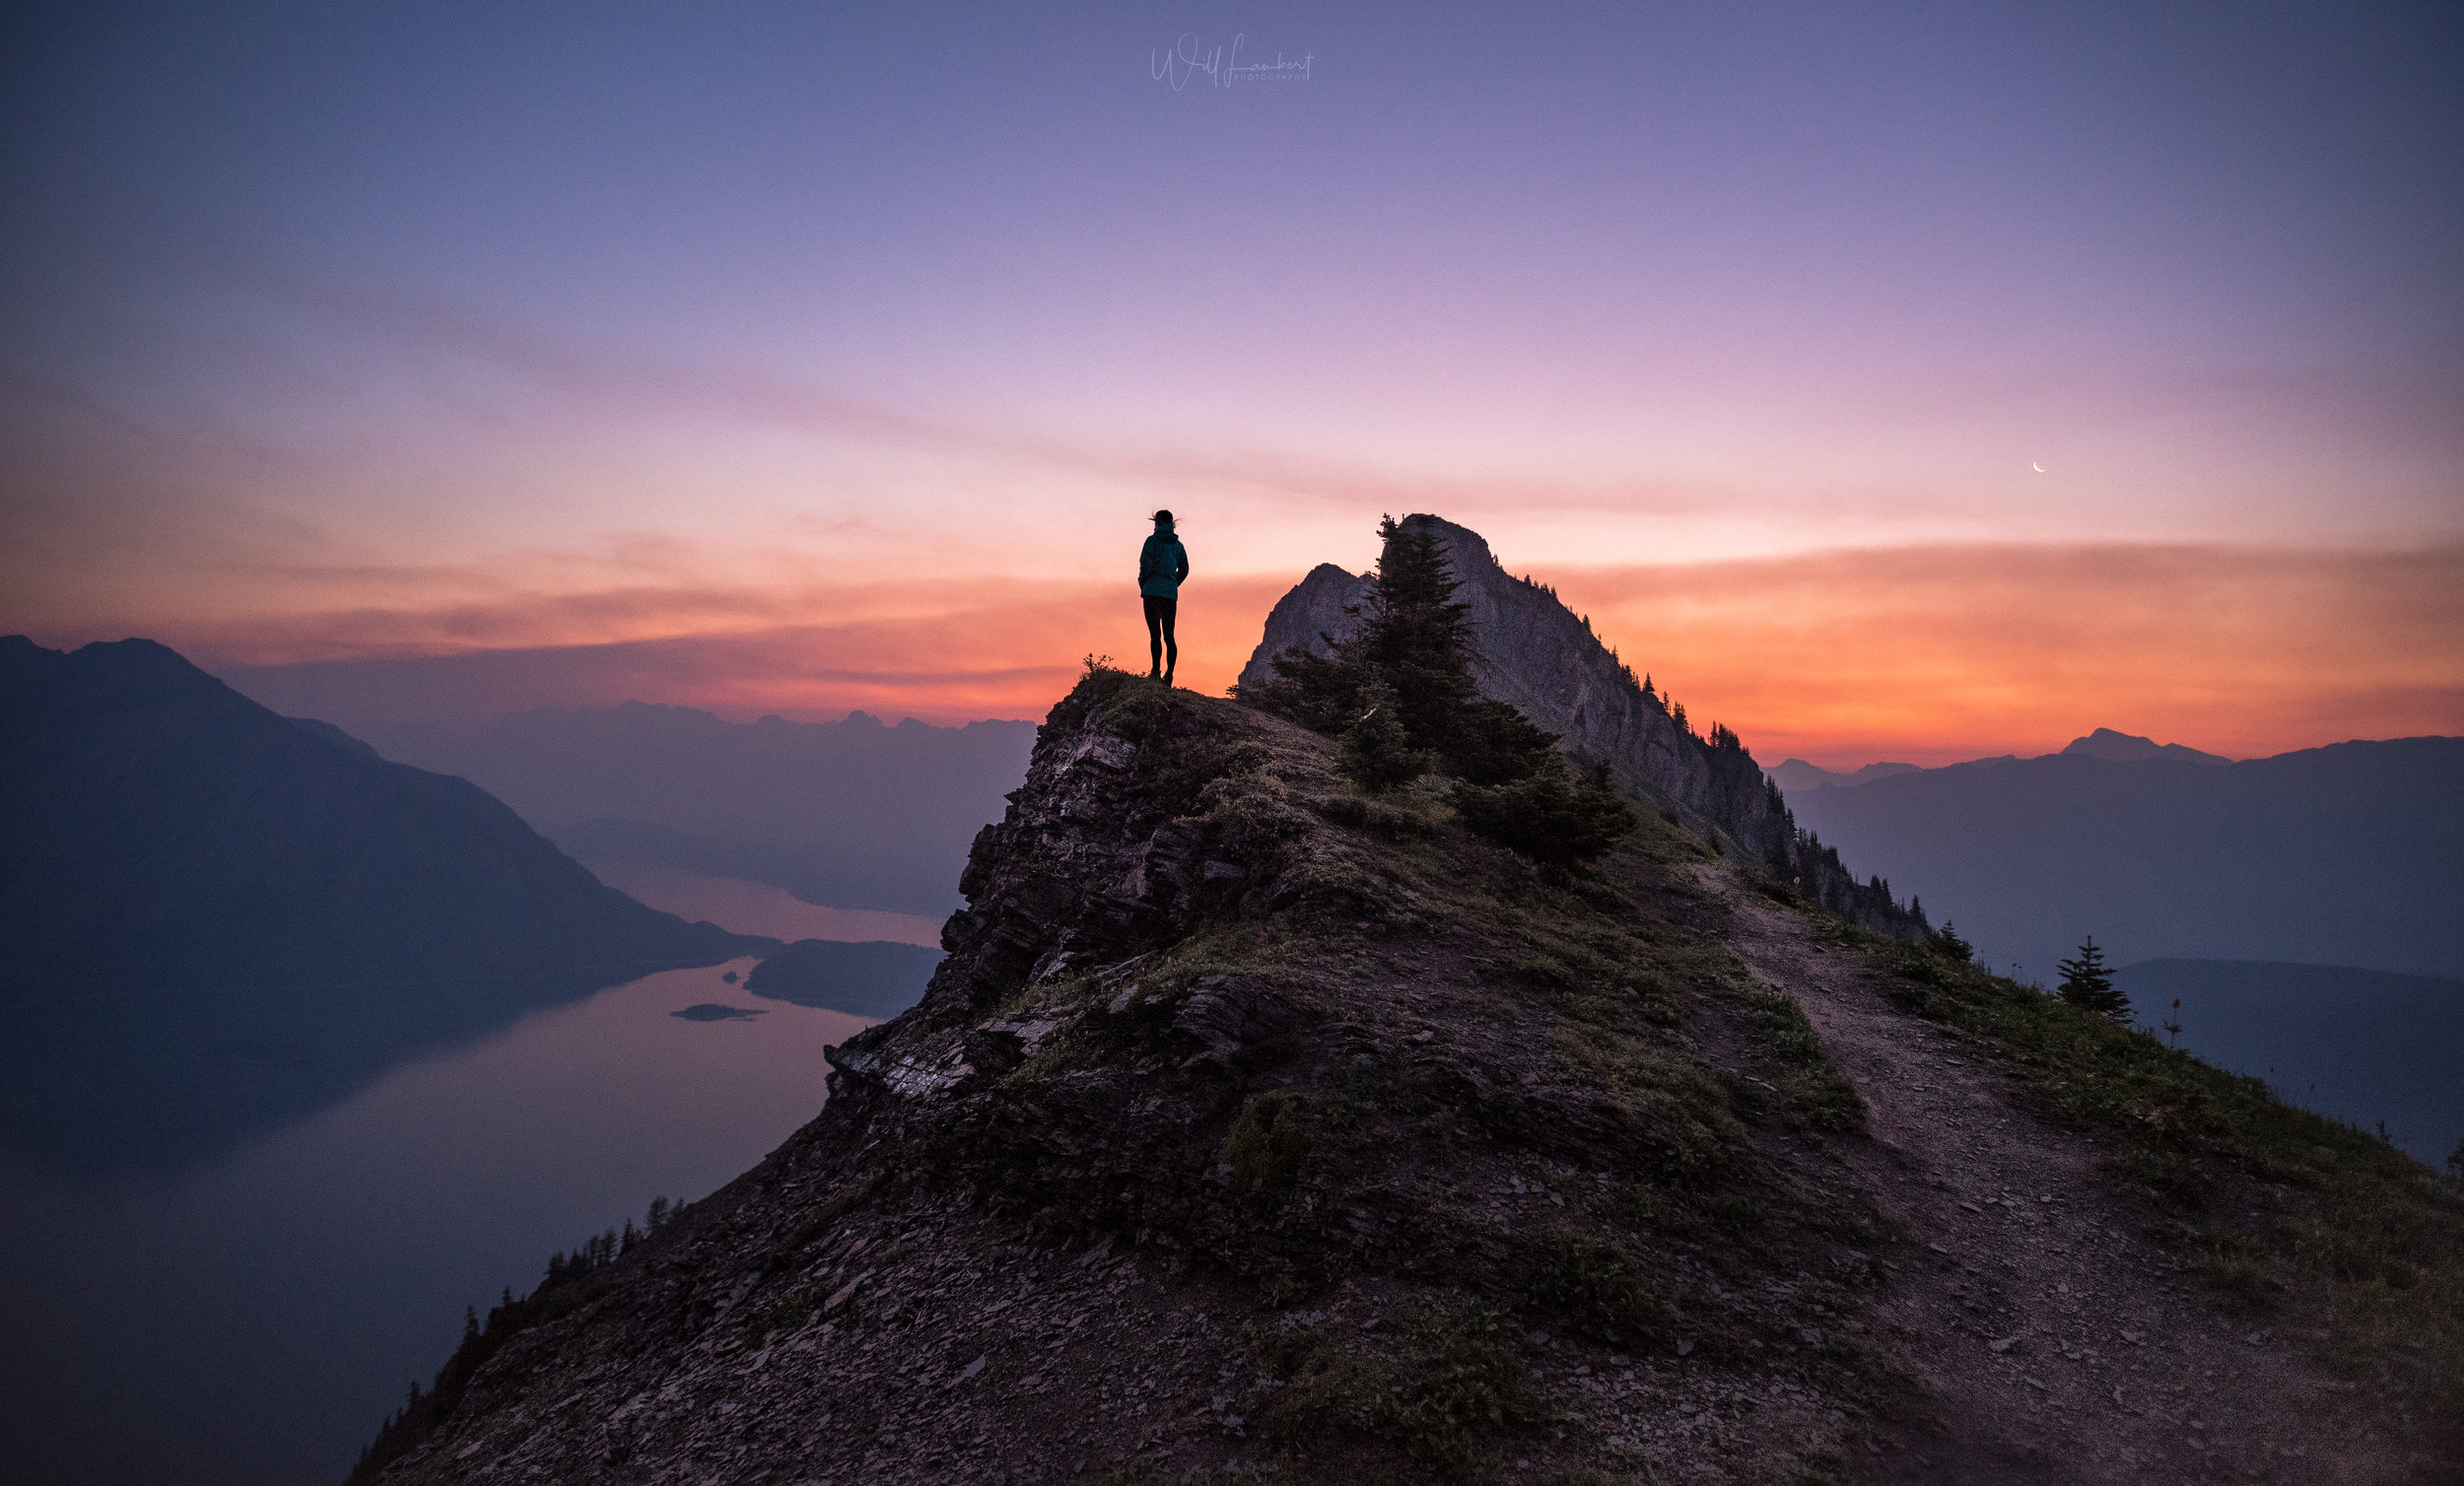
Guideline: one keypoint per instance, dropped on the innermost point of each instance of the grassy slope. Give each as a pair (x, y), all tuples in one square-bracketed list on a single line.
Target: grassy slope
[(1618, 1054), (2357, 1243)]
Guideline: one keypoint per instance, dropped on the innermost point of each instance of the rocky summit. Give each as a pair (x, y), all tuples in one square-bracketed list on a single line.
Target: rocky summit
[(1534, 653), (1258, 1128)]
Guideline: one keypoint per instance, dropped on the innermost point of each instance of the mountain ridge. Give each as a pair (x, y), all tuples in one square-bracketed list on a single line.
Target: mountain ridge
[(1536, 654), (2349, 854), (1256, 1125), (163, 827), (2129, 748)]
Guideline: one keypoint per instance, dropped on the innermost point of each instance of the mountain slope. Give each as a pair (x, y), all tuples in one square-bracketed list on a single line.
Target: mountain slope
[(156, 827), (1253, 1124), (2352, 855), (2371, 1049), (1532, 652)]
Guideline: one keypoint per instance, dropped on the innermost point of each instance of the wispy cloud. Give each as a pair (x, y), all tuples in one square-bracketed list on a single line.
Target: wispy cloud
[(622, 381)]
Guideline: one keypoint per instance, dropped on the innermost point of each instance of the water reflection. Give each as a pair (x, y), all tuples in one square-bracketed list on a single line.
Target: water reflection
[(157, 1080), (248, 1318), (757, 908)]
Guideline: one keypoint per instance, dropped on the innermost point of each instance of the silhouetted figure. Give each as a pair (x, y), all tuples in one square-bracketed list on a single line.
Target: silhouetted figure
[(1162, 565)]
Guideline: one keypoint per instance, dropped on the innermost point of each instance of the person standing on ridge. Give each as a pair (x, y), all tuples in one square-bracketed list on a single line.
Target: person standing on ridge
[(1162, 565)]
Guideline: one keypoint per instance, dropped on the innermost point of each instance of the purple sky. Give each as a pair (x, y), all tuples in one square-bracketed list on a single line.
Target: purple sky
[(337, 330)]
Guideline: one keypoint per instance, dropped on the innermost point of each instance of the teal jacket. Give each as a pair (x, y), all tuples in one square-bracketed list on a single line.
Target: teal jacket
[(1162, 565)]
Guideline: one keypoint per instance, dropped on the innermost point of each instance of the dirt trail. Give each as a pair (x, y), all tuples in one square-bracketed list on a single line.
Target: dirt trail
[(2049, 1340)]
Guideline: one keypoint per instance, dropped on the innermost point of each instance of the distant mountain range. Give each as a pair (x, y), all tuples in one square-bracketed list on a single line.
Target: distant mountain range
[(215, 918), (156, 826), (1797, 775), (2350, 856), (850, 814), (1794, 774)]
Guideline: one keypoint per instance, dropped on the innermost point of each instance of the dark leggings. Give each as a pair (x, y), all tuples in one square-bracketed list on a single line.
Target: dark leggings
[(1163, 651)]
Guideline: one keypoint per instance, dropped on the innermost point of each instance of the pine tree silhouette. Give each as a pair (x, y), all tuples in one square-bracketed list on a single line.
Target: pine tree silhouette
[(2087, 984), (1416, 645), (1947, 941), (1400, 696), (1377, 749)]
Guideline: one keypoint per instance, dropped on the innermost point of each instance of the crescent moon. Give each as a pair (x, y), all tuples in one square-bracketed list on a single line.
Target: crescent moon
[(2038, 468)]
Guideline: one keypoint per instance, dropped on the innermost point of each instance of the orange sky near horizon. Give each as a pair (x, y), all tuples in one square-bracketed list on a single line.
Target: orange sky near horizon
[(1911, 386), (1922, 654)]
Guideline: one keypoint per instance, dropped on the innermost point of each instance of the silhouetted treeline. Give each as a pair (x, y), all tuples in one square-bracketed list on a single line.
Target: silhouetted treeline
[(562, 1292)]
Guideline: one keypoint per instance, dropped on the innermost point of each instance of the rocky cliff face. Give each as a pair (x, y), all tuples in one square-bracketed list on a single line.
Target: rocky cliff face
[(1534, 652), (1253, 1125)]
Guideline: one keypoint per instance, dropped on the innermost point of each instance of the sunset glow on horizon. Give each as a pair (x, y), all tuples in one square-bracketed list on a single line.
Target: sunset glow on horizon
[(1889, 386)]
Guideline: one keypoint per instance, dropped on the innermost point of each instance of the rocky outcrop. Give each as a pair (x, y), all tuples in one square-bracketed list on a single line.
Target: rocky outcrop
[(1235, 1102), (1534, 654), (1255, 1128)]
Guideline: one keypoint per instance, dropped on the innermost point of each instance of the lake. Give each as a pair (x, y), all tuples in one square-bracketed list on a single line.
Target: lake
[(247, 1314)]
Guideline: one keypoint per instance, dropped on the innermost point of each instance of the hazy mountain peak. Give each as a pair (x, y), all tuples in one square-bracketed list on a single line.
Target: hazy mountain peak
[(1797, 773), (2130, 748), (334, 735), (158, 828)]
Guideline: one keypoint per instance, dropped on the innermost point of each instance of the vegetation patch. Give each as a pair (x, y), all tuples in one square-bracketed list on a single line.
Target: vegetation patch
[(1268, 1140), (1813, 1093), (1442, 1386), (1599, 1289), (1553, 815), (1400, 698)]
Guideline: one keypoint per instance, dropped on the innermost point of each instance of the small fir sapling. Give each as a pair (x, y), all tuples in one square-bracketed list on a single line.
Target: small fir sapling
[(2087, 984), (1945, 941)]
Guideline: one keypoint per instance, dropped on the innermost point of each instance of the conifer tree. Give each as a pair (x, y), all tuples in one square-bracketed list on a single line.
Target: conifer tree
[(1377, 749), (1945, 941), (1551, 815), (2087, 984), (1415, 641), (1400, 696), (1418, 639)]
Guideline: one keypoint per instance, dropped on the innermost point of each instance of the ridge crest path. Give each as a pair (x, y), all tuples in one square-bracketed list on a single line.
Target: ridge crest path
[(2047, 1339)]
